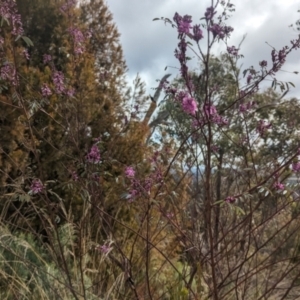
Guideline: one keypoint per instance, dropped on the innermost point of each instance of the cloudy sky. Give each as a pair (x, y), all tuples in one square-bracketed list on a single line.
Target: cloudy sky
[(149, 46)]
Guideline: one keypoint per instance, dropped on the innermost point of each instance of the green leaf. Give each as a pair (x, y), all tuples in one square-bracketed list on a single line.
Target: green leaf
[(239, 210), (27, 41), (219, 202), (274, 83), (290, 83)]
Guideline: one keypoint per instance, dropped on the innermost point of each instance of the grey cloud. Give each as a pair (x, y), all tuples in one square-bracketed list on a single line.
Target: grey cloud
[(149, 46)]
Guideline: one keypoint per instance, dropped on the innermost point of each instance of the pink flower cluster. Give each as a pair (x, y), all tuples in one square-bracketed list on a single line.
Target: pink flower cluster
[(210, 113), (230, 199), (47, 58), (129, 172), (36, 187), (26, 54), (296, 167), (243, 108), (263, 63), (197, 33), (183, 23), (219, 31), (93, 156), (9, 12), (184, 26), (142, 187), (58, 79), (8, 72), (278, 58), (232, 50), (249, 79), (105, 249), (189, 105), (46, 92), (278, 186), (262, 127), (69, 4), (180, 55), (210, 12), (78, 39)]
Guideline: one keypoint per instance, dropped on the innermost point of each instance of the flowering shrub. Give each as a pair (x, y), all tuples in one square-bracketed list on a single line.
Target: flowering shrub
[(206, 212)]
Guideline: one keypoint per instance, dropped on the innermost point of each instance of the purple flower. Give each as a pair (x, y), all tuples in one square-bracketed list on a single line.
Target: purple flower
[(214, 148), (183, 23), (278, 186), (230, 199), (232, 50), (148, 184), (78, 50), (242, 108), (26, 54), (274, 55), (209, 110), (46, 90), (189, 105), (77, 35), (217, 31), (58, 80), (70, 92), (36, 187), (78, 39), (169, 215), (158, 176), (198, 34), (245, 107), (249, 78), (132, 194), (8, 11), (75, 176), (69, 4), (220, 31), (296, 167), (46, 58), (278, 59), (217, 119), (129, 172), (171, 90), (209, 13), (262, 126), (104, 248), (197, 123), (282, 55), (8, 72), (17, 25), (94, 155), (88, 34), (263, 63)]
